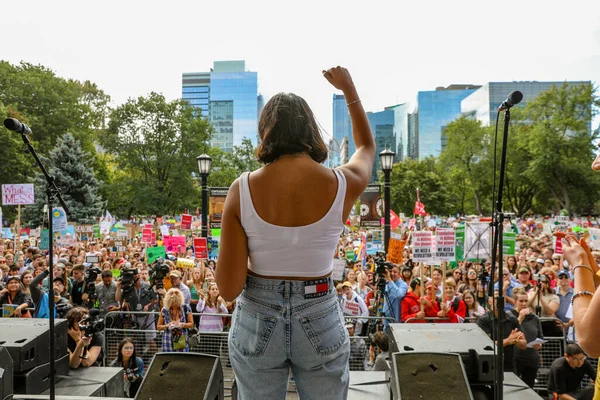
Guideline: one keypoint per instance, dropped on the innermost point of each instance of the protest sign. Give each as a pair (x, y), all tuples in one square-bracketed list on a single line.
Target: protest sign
[(7, 233), (200, 248), (44, 240), (154, 253), (395, 249), (338, 269), (423, 247), (164, 230), (351, 308), (509, 241), (59, 219), (478, 240), (594, 238), (147, 235), (174, 243), (17, 194), (185, 263), (105, 227), (186, 222), (445, 241)]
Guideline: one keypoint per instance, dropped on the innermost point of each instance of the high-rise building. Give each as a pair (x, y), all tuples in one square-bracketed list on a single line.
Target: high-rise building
[(483, 104), (228, 96), (382, 126), (342, 128), (436, 109)]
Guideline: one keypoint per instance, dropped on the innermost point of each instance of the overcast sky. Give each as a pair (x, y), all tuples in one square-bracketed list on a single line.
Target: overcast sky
[(392, 48)]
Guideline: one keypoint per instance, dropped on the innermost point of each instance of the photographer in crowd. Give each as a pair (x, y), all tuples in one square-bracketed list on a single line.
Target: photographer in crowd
[(133, 367), (86, 340)]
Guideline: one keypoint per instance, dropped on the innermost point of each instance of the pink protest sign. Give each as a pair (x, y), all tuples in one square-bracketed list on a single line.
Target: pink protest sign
[(172, 243)]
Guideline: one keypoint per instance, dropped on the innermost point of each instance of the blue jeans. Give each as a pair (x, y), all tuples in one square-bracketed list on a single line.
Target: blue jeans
[(275, 328)]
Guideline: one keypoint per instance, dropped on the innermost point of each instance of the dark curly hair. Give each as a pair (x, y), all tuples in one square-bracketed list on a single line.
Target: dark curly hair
[(75, 315), (287, 125)]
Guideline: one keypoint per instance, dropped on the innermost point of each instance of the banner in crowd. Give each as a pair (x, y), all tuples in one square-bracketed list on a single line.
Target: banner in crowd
[(371, 207), (594, 238), (445, 241), (562, 223), (201, 248), (509, 243), (423, 247), (216, 205), (84, 232), (174, 243), (146, 235), (339, 266), (185, 263), (478, 240), (7, 233), (17, 194)]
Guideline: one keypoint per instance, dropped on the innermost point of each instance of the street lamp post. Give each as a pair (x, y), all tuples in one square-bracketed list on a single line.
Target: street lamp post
[(386, 158), (204, 162)]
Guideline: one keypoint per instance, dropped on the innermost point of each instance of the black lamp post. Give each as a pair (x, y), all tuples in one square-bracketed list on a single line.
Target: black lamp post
[(386, 158), (204, 162)]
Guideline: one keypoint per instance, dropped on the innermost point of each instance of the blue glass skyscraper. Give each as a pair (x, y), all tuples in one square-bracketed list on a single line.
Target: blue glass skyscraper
[(382, 126), (342, 128), (436, 109), (231, 94)]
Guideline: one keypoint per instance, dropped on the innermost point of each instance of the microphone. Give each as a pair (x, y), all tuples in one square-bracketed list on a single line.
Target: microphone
[(514, 98), (15, 125)]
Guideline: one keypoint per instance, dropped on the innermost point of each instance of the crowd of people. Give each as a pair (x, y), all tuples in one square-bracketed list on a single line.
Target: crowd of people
[(537, 285)]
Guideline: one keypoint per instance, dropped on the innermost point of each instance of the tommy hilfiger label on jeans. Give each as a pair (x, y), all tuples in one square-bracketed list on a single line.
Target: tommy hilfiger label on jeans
[(316, 288)]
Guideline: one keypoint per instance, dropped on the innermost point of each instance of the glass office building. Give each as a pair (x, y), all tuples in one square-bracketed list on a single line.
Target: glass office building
[(382, 126), (342, 128), (436, 109), (483, 104), (229, 94)]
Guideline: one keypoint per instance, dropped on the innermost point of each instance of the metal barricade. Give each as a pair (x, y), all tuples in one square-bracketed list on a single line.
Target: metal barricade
[(551, 350), (415, 320), (359, 345), (140, 327)]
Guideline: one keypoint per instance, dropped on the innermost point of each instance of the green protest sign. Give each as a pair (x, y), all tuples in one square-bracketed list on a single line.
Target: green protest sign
[(350, 255), (215, 232), (44, 240), (154, 253), (460, 243), (509, 240)]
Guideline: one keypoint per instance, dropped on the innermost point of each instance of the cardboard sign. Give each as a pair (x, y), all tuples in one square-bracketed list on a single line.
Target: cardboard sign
[(395, 249), (17, 194), (338, 269), (173, 243), (423, 247), (201, 248), (186, 222), (185, 263), (351, 308), (445, 241)]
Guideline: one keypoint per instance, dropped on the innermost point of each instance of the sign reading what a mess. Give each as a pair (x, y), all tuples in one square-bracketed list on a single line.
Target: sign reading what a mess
[(17, 194)]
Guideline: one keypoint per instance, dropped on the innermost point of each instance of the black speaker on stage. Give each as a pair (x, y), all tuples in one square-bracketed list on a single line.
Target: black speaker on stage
[(37, 379), (170, 374), (418, 376), (6, 373)]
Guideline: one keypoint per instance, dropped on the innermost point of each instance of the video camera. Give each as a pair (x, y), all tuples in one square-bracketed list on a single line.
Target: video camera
[(158, 271), (382, 266), (127, 282), (89, 286), (91, 323)]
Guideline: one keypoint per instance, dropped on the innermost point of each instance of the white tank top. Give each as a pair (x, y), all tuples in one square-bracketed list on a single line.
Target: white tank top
[(302, 251)]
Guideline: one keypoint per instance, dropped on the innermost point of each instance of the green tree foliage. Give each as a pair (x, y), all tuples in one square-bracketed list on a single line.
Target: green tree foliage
[(74, 177), (560, 143), (407, 176), (155, 143), (464, 157)]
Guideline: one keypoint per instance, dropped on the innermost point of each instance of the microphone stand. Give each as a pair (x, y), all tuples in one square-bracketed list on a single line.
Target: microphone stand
[(51, 192), (497, 224)]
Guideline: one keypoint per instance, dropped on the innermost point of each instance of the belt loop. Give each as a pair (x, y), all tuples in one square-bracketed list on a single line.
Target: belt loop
[(288, 289)]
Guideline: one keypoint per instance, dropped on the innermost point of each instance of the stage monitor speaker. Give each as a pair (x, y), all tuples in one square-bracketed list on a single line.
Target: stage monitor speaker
[(6, 373), (37, 379), (170, 374), (417, 376), (468, 340)]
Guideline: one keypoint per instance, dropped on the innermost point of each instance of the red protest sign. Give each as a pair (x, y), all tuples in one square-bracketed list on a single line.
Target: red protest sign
[(153, 238), (200, 248), (147, 235), (186, 221)]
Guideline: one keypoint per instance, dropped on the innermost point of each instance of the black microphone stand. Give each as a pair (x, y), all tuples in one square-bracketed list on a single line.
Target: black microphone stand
[(51, 192), (498, 224)]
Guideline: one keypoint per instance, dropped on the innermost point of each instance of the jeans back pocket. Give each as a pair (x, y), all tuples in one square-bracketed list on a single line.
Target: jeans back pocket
[(325, 330), (251, 331)]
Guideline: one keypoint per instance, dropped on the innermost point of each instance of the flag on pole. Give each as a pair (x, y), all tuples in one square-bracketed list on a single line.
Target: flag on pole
[(419, 207)]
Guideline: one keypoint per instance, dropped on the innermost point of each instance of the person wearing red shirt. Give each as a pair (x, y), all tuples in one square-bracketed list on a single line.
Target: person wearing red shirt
[(411, 304), (452, 307)]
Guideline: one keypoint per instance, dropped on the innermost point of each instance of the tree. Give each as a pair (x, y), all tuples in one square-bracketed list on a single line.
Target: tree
[(155, 144), (74, 177), (407, 176), (465, 150), (560, 142)]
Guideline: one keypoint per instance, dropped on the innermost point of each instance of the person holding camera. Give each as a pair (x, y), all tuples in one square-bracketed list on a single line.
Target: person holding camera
[(132, 364), (84, 350), (78, 288), (544, 303), (380, 344), (62, 304)]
